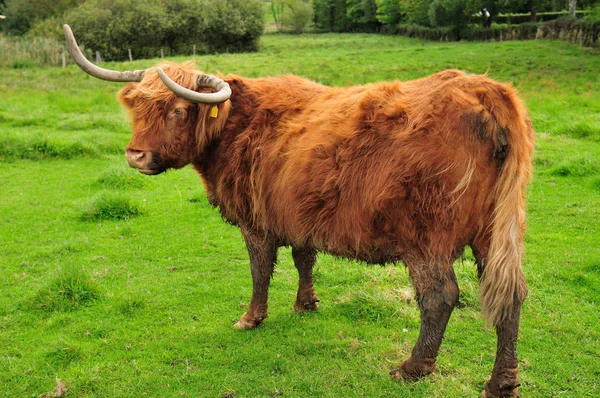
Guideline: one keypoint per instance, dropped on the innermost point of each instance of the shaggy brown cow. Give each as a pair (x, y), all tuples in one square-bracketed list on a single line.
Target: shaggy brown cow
[(383, 172)]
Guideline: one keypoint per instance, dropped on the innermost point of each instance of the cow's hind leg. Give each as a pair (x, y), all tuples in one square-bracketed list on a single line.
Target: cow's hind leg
[(504, 381), (263, 255), (304, 260), (437, 294)]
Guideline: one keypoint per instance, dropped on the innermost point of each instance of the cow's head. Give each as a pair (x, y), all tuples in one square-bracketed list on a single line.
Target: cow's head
[(174, 109)]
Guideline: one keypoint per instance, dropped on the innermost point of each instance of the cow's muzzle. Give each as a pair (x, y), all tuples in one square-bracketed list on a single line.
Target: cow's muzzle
[(144, 161)]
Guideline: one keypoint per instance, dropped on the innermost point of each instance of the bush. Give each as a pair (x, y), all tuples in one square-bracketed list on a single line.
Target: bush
[(114, 26), (297, 16), (233, 25)]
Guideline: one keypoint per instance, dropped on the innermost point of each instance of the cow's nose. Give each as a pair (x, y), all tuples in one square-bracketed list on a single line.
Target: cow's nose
[(136, 159)]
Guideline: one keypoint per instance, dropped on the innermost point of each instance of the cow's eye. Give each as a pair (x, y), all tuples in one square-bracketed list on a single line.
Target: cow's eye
[(178, 112)]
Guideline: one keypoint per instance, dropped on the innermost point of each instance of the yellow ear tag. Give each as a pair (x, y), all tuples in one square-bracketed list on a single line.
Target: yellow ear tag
[(214, 112)]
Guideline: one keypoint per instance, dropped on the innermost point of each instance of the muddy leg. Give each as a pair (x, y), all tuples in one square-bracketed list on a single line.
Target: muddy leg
[(504, 380), (437, 294), (263, 255), (306, 299)]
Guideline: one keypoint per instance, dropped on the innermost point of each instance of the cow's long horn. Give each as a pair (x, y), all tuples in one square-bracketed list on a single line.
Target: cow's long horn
[(223, 90), (96, 71)]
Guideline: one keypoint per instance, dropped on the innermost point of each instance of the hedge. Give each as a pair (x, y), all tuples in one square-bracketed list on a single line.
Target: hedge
[(526, 31), (174, 26), (580, 31), (585, 32)]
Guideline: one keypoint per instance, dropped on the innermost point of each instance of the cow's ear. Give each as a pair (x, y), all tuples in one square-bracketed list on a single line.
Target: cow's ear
[(125, 95)]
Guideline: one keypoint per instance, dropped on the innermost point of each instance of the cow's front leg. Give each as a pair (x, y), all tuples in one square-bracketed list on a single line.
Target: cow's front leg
[(304, 260), (437, 294), (262, 250)]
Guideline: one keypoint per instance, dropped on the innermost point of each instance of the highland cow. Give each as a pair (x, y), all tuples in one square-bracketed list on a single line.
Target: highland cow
[(384, 172)]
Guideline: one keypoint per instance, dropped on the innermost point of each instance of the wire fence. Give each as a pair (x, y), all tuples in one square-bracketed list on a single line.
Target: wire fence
[(26, 52), (23, 52)]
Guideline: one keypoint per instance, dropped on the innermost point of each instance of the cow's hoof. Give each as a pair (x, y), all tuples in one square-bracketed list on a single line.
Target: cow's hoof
[(306, 306), (512, 393), (247, 322), (412, 371), (504, 384)]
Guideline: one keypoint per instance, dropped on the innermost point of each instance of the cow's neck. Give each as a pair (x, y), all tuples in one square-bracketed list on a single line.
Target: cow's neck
[(243, 107), (257, 106), (218, 158)]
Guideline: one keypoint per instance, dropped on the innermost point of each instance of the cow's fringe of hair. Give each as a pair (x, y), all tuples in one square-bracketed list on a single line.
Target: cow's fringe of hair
[(502, 281), (185, 74), (135, 96)]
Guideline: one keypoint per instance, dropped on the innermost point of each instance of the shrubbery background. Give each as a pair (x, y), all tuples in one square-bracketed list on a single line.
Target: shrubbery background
[(32, 33), (114, 26)]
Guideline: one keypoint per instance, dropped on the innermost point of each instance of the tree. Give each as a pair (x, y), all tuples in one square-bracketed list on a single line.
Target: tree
[(533, 6), (21, 15), (297, 15), (454, 13), (388, 12), (330, 15), (362, 14), (277, 7), (572, 7), (438, 15), (417, 11), (460, 15)]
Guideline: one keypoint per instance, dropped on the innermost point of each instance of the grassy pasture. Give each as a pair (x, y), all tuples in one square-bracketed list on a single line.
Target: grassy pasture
[(117, 284)]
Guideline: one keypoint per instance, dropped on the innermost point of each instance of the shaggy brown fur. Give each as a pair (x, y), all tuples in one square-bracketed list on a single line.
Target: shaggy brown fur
[(411, 171)]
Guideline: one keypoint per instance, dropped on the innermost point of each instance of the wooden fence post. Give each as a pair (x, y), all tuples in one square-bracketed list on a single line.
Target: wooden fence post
[(64, 59), (98, 59), (130, 57), (162, 54), (194, 51)]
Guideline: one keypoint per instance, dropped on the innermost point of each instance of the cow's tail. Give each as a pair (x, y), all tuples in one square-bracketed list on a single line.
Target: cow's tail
[(502, 281)]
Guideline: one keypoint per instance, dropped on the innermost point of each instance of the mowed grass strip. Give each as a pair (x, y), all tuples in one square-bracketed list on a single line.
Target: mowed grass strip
[(142, 301)]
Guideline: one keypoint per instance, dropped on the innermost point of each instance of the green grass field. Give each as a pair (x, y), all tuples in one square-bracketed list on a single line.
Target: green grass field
[(114, 284)]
